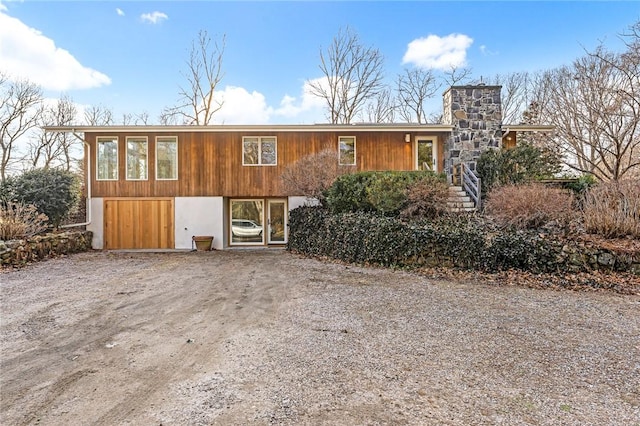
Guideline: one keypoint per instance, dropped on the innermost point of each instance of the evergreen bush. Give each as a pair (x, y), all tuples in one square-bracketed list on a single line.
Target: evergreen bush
[(523, 163), (53, 192)]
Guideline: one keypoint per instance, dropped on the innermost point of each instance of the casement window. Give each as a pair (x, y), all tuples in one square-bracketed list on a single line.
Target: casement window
[(259, 151), (167, 158), (347, 150), (137, 158), (107, 158)]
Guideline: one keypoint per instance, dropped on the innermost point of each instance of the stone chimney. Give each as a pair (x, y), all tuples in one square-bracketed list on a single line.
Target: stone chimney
[(476, 115)]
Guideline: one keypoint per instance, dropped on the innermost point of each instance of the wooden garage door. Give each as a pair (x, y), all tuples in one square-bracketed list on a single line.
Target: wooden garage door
[(138, 224)]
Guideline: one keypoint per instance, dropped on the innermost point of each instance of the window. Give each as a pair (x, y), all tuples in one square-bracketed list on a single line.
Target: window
[(137, 158), (259, 151), (347, 150), (246, 222), (167, 158), (107, 158)]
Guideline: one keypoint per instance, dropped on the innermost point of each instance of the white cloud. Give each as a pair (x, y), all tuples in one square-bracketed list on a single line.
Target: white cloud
[(154, 17), (119, 11), (243, 107), (486, 52), (291, 108), (26, 53), (438, 52)]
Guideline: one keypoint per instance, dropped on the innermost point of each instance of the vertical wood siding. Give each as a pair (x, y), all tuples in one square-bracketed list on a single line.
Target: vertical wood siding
[(210, 164), (138, 224)]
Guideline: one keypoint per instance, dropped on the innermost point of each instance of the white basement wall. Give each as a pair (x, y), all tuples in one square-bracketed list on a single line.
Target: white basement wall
[(97, 223), (199, 216)]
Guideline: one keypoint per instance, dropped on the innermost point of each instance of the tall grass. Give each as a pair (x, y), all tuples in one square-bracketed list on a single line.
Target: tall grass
[(530, 205), (18, 220), (612, 209)]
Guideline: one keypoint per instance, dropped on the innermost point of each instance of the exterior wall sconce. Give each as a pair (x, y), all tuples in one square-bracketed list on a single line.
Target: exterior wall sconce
[(407, 137)]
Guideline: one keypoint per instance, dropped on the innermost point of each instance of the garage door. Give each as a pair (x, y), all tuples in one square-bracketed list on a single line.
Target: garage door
[(138, 224)]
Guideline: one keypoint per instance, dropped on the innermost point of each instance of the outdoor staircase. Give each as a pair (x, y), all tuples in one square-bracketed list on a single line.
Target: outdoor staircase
[(465, 194), (459, 200)]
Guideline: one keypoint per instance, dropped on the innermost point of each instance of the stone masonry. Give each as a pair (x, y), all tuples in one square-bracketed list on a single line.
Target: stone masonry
[(476, 115)]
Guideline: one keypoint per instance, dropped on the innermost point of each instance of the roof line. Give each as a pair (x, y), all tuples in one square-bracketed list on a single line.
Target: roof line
[(256, 127)]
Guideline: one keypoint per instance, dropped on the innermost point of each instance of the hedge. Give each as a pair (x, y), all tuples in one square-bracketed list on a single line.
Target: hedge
[(459, 241)]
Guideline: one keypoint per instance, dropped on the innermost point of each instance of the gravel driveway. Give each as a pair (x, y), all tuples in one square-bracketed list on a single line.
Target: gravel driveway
[(265, 337)]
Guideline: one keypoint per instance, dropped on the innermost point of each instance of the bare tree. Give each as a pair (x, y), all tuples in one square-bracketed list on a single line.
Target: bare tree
[(415, 87), (456, 75), (129, 119), (98, 115), (19, 102), (53, 149), (352, 75), (381, 108), (516, 96), (197, 102), (595, 105), (313, 174)]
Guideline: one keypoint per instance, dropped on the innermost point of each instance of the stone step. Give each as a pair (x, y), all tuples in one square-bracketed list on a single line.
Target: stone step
[(459, 201), (461, 204), (458, 194), (459, 198), (462, 210)]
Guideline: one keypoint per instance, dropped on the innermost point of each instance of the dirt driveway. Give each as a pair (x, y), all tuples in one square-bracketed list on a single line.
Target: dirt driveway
[(265, 337)]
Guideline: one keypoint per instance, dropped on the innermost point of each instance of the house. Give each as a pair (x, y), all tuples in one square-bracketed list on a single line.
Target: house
[(156, 187)]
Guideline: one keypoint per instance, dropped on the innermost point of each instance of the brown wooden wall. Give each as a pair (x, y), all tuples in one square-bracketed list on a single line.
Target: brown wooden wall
[(210, 164)]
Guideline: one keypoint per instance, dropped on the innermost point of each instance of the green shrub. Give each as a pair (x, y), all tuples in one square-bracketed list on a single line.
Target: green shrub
[(53, 192), (513, 248), (523, 163), (348, 193), (612, 209), (384, 192), (582, 184)]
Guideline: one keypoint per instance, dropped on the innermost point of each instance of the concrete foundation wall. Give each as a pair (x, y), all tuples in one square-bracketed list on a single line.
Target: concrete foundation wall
[(199, 216), (97, 223)]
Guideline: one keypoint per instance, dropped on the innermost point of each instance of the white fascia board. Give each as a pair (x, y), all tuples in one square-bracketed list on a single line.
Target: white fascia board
[(258, 128)]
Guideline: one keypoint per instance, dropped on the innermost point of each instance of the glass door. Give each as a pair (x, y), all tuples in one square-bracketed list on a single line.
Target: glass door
[(426, 154), (246, 222), (277, 221)]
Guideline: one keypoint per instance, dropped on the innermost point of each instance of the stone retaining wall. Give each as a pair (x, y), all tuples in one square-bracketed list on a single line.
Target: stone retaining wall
[(20, 252)]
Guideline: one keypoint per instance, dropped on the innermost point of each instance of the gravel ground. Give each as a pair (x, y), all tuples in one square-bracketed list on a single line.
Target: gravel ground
[(265, 337)]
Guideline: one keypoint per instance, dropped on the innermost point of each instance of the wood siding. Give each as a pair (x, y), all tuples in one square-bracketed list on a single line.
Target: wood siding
[(138, 224), (210, 164)]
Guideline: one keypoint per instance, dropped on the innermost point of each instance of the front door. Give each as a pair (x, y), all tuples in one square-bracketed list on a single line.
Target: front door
[(277, 221), (425, 154)]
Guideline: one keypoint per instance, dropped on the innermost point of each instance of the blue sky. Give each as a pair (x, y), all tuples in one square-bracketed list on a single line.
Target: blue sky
[(128, 55)]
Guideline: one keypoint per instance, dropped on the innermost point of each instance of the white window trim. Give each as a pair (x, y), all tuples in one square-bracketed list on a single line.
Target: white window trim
[(107, 139), (126, 159), (434, 151), (355, 144), (175, 139), (275, 139)]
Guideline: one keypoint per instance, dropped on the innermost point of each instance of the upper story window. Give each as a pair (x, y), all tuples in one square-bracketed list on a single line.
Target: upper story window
[(259, 150), (107, 158), (137, 158), (167, 158), (347, 150)]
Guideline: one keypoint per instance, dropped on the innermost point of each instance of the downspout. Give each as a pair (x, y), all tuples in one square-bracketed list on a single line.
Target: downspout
[(88, 175)]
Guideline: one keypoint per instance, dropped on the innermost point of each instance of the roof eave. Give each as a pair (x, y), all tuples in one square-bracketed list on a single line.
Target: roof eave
[(257, 128)]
